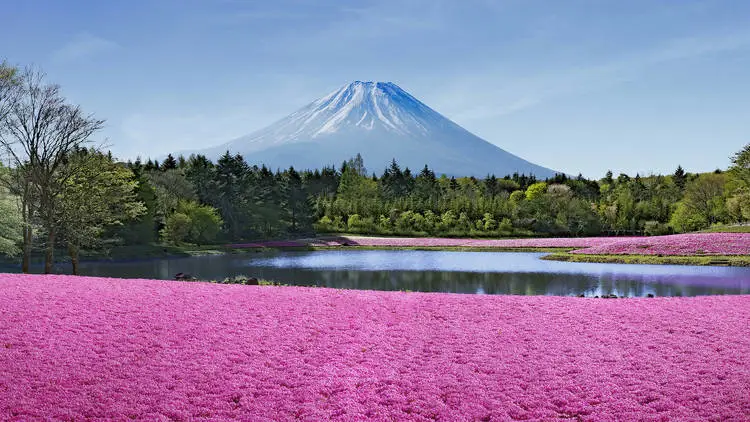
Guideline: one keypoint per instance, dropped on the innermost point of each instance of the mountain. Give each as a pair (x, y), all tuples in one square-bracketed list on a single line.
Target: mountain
[(380, 121)]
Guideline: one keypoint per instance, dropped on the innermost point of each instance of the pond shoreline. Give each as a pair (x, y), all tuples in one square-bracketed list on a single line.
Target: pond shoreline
[(555, 254), (560, 249)]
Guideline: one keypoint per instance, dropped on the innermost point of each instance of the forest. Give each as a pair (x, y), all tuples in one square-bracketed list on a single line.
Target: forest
[(250, 202), (60, 192)]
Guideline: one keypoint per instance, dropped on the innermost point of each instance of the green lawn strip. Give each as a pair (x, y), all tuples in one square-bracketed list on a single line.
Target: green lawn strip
[(153, 250), (727, 229), (718, 260)]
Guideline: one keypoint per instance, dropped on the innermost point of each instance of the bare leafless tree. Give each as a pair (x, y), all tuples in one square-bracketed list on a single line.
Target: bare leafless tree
[(39, 132)]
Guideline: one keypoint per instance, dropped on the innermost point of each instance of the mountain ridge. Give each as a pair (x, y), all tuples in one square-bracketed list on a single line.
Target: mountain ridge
[(380, 121)]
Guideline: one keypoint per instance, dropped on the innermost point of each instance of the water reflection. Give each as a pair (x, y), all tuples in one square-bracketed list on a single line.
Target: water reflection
[(444, 271)]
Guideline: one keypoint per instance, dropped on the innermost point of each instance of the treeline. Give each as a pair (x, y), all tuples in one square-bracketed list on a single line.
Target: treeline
[(257, 203), (58, 192)]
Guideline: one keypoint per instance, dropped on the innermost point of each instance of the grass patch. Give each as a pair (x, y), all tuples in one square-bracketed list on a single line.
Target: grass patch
[(728, 229), (716, 260), (153, 250)]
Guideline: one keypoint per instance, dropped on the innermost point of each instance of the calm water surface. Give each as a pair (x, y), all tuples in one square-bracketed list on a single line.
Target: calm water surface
[(443, 271)]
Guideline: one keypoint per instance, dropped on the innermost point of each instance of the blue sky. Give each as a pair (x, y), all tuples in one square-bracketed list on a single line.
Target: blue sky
[(579, 86)]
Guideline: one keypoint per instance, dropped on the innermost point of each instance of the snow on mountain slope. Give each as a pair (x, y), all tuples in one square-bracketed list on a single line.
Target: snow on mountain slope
[(381, 121)]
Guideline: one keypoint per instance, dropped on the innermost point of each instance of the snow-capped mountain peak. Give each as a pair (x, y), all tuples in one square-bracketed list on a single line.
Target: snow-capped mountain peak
[(381, 121), (363, 105)]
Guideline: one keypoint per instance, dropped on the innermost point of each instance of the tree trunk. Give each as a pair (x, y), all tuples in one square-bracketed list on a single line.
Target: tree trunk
[(49, 256), (73, 252), (27, 237)]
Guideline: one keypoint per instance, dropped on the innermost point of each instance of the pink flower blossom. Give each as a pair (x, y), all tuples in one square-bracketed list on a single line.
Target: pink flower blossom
[(108, 349), (572, 242), (681, 244)]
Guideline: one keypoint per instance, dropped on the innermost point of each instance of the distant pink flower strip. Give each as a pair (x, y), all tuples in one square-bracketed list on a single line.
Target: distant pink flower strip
[(105, 349), (682, 244), (572, 242)]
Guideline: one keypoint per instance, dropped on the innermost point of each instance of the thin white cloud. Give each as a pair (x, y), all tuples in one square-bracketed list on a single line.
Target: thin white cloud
[(171, 128), (494, 96), (83, 45)]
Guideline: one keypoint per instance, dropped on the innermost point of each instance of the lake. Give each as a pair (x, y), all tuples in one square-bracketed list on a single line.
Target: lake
[(515, 273)]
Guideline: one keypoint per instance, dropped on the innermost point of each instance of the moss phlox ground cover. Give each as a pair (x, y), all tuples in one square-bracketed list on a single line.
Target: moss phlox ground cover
[(108, 349)]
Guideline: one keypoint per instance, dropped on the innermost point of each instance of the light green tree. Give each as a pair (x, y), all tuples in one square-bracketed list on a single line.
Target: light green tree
[(100, 194), (192, 223), (740, 168), (11, 223), (536, 190), (703, 204)]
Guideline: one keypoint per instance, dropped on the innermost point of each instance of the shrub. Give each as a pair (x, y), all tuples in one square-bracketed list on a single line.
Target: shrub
[(176, 228), (404, 221), (448, 220), (517, 196), (205, 223), (655, 228), (384, 223), (338, 224), (358, 224), (354, 223), (490, 223), (325, 224), (418, 222), (463, 223), (192, 223), (536, 190), (684, 220), (506, 226)]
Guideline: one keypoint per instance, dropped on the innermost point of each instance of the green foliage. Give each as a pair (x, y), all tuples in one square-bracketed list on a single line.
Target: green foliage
[(192, 223), (488, 222), (100, 194), (11, 221), (170, 187), (685, 220), (142, 229), (448, 219), (704, 197), (176, 228), (679, 178), (740, 168), (536, 190), (738, 206), (517, 196), (205, 222), (655, 228), (254, 202), (324, 225)]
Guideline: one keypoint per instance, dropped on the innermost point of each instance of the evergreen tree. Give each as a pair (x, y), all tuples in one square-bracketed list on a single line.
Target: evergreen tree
[(680, 178), (169, 163), (295, 202)]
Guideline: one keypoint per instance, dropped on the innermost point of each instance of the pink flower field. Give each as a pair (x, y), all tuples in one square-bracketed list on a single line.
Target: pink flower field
[(681, 244), (570, 242), (75, 348)]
